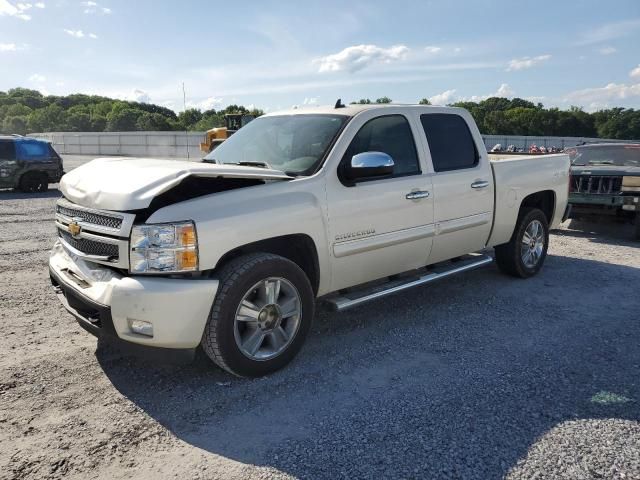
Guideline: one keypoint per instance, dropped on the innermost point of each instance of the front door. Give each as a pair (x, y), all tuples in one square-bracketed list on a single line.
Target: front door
[(384, 226)]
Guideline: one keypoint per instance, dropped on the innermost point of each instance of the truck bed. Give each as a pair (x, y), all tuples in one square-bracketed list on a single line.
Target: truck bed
[(517, 176)]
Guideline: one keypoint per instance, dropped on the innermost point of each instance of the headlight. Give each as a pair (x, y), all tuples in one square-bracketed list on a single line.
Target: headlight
[(631, 184), (164, 248)]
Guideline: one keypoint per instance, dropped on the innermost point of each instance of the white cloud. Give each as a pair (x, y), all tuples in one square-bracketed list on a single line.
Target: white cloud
[(609, 31), (8, 47), (310, 101), (92, 7), (526, 62), (444, 98), (210, 103), (39, 5), (601, 96), (607, 50), (635, 73), (18, 10), (74, 33), (451, 96), (37, 78), (432, 49), (358, 57), (79, 34), (504, 91), (139, 96)]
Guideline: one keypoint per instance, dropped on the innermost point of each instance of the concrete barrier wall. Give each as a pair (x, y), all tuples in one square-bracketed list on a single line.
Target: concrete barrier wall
[(525, 142), (181, 144), (140, 144)]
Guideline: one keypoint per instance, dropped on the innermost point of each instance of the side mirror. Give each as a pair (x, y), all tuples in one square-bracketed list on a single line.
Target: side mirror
[(369, 165)]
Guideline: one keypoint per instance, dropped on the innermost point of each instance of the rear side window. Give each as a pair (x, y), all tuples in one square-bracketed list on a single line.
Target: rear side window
[(33, 150), (392, 135), (450, 141), (7, 150)]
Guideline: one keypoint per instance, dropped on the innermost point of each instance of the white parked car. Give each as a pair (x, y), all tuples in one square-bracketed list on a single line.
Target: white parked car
[(344, 204)]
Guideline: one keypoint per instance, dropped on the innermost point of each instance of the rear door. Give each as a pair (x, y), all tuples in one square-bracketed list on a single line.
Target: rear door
[(462, 185), (38, 155), (384, 226), (8, 163)]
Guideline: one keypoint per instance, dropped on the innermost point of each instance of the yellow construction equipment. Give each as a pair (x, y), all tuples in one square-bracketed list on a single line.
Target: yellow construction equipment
[(233, 122)]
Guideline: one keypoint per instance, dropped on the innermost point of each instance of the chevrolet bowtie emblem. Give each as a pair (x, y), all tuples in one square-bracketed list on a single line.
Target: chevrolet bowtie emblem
[(74, 229)]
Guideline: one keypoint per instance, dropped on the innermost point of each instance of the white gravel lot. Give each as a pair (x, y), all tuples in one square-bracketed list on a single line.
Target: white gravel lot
[(480, 376)]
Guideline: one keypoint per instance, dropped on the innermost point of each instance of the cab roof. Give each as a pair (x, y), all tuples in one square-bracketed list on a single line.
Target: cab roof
[(352, 109)]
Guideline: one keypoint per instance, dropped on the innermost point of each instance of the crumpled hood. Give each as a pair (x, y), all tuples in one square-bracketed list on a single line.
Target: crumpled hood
[(126, 183)]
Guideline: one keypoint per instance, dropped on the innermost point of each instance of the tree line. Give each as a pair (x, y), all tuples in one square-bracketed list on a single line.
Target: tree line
[(23, 110)]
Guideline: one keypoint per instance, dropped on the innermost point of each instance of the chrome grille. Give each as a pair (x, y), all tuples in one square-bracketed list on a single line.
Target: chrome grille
[(90, 247), (594, 184), (102, 220)]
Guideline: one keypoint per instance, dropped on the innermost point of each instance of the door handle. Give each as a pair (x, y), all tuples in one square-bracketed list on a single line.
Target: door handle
[(480, 184), (417, 195)]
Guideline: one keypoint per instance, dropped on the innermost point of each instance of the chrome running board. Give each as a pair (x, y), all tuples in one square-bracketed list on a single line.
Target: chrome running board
[(344, 301)]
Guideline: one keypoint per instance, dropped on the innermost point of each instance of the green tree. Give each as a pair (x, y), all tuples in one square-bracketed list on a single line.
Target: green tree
[(122, 120), (424, 101), (15, 124), (189, 117), (384, 100), (79, 122)]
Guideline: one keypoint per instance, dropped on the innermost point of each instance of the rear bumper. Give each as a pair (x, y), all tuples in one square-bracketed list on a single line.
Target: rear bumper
[(105, 303)]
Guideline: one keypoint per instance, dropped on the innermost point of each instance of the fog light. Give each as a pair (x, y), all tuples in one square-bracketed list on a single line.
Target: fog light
[(141, 327)]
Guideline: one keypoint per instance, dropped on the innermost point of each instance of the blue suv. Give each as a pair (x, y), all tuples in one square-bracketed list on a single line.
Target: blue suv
[(28, 164)]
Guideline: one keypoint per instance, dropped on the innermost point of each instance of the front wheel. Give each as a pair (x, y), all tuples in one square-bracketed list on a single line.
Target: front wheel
[(525, 253), (261, 315)]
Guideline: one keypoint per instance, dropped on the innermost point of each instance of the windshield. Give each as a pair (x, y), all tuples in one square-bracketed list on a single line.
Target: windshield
[(294, 144), (618, 155)]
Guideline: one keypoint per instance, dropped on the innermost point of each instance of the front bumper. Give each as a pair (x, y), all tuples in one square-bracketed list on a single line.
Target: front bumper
[(105, 303), (615, 201)]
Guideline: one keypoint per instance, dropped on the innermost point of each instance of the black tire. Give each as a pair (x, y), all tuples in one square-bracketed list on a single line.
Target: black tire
[(636, 229), (43, 186), (30, 182), (509, 256), (237, 279)]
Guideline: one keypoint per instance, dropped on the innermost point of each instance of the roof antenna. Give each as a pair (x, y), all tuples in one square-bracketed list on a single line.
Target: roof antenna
[(339, 104)]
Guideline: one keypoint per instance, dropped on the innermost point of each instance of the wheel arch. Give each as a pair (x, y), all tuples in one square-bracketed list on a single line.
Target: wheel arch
[(544, 200), (299, 248)]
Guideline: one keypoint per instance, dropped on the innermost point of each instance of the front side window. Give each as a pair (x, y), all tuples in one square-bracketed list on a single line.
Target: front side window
[(450, 142), (392, 135), (295, 144), (33, 150), (7, 150)]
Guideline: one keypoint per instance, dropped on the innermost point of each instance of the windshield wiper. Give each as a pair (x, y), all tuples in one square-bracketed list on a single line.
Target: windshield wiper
[(254, 163)]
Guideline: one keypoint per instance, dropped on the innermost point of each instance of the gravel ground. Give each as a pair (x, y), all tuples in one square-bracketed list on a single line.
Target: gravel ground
[(479, 376)]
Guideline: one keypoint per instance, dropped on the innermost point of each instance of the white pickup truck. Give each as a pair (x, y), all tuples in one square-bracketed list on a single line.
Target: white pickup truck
[(342, 204)]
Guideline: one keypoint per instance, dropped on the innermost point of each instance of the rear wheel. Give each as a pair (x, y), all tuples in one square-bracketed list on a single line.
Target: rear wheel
[(261, 315), (34, 182), (525, 253)]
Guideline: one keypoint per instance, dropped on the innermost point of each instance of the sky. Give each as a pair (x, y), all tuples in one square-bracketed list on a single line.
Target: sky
[(277, 54)]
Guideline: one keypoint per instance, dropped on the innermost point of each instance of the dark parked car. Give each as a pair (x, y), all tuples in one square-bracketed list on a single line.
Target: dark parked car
[(605, 180), (28, 164)]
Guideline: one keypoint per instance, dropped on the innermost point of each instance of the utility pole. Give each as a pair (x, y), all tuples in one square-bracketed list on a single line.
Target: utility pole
[(186, 131)]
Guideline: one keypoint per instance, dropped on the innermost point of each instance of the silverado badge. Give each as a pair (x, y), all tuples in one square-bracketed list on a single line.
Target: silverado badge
[(74, 229)]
